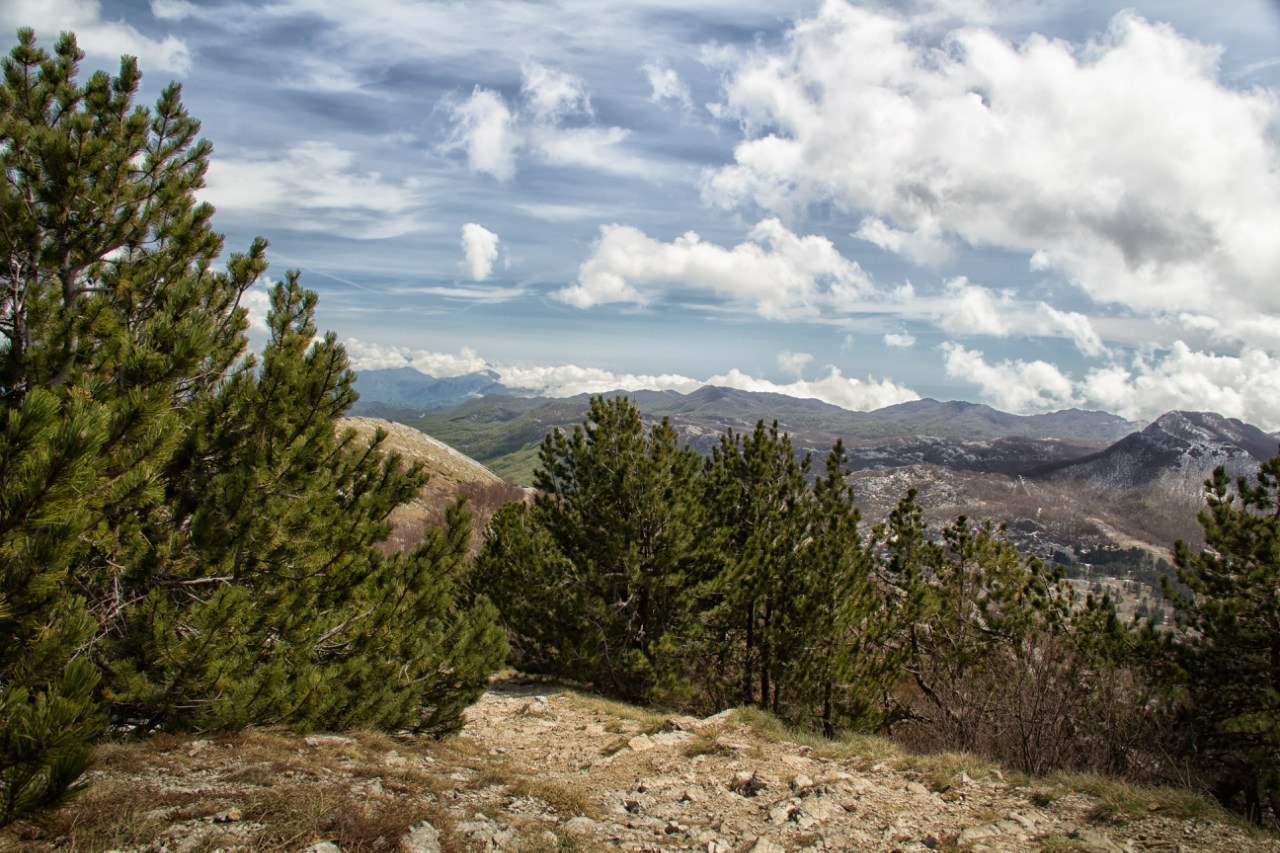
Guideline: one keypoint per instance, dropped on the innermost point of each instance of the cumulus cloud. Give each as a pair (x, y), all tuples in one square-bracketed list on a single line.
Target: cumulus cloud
[(566, 380), (483, 129), (793, 362), (899, 339), (971, 309), (554, 94), (779, 273), (667, 85), (481, 248), (1073, 325), (1123, 165), (98, 38), (1246, 386), (313, 186), (834, 388), (551, 122), (1013, 385), (257, 302)]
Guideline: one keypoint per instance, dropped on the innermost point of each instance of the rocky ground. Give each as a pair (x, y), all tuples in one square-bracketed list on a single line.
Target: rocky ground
[(539, 767)]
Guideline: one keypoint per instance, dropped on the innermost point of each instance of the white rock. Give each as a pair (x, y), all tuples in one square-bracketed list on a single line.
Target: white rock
[(324, 847), (423, 838)]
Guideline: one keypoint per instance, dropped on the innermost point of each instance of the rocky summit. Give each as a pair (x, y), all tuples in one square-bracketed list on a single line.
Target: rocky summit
[(541, 767)]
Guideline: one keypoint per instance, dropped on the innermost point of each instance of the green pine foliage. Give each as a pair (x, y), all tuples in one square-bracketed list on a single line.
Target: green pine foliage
[(589, 576), (48, 717), (184, 539), (1226, 646), (849, 662), (756, 494)]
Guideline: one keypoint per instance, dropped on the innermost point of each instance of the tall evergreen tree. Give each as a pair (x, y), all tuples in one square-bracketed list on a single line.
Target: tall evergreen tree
[(1226, 644), (849, 664), (180, 515), (617, 502), (755, 491)]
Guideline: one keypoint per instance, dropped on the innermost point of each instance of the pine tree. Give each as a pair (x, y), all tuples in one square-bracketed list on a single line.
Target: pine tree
[(615, 529), (848, 665), (106, 328), (271, 592), (171, 510), (1226, 644), (755, 491), (48, 716)]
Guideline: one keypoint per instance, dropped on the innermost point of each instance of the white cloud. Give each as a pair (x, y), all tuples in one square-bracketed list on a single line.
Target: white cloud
[(484, 131), (1245, 386), (566, 380), (553, 94), (313, 186), (1073, 325), (98, 38), (1016, 385), (367, 355), (495, 136), (899, 339), (481, 248), (257, 302), (1123, 165), (598, 148), (174, 10), (793, 362), (776, 271), (667, 85), (971, 309), (835, 388)]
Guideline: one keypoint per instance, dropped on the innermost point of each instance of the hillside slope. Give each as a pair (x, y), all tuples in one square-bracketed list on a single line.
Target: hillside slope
[(451, 474), (539, 767)]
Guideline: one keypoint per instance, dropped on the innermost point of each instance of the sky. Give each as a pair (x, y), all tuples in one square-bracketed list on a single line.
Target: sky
[(1036, 205)]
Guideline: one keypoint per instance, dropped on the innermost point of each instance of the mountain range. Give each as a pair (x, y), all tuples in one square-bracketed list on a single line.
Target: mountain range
[(1063, 480)]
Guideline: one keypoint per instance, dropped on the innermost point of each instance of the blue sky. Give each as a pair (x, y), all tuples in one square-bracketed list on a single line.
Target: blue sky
[(1032, 204)]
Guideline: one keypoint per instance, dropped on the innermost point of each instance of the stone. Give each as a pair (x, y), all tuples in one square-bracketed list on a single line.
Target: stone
[(801, 783), (422, 838), (1096, 841), (640, 743), (767, 845), (784, 813), (747, 783), (916, 788), (581, 825), (324, 847), (979, 833)]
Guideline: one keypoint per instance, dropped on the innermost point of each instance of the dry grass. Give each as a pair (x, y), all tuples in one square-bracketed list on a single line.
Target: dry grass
[(847, 746), (564, 800), (650, 720), (1120, 800), (294, 816), (940, 771)]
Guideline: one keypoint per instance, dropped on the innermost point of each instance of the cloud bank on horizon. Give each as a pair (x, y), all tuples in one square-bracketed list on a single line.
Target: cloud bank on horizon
[(994, 200)]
